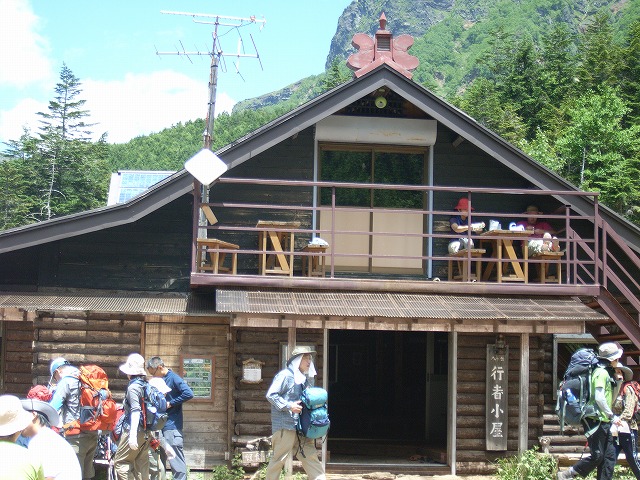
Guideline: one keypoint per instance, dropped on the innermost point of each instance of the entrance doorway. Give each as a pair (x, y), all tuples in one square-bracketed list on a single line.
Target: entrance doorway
[(388, 395)]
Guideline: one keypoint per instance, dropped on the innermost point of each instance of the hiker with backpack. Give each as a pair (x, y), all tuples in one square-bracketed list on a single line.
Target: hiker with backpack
[(597, 423), (66, 400), (180, 392), (625, 426), (131, 460), (158, 443), (284, 395)]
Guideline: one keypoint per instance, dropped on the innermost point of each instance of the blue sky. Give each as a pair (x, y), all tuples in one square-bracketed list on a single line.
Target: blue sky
[(130, 91)]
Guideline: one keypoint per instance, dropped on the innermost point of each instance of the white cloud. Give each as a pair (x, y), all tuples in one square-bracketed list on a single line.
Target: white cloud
[(23, 55), (144, 103), (24, 114)]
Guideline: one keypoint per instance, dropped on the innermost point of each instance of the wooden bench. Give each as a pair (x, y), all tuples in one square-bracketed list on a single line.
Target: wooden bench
[(461, 258), (543, 267), (203, 245), (314, 265)]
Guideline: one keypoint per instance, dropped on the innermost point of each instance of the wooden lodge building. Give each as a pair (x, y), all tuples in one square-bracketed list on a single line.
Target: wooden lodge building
[(329, 227)]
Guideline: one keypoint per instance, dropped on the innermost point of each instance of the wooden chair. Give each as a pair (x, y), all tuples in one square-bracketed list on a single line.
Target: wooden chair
[(543, 267), (461, 259), (216, 259)]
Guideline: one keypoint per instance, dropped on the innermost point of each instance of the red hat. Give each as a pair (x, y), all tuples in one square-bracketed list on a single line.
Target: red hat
[(463, 204), (40, 392)]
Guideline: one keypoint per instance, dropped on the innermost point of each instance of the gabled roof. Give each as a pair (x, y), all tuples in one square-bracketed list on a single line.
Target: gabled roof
[(298, 120)]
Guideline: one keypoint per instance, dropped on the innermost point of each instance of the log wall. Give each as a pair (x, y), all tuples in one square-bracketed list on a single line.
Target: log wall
[(471, 398), (251, 410), (17, 357)]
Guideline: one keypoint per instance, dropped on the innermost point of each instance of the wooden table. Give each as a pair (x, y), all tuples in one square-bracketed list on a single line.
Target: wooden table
[(314, 265), (276, 239), (503, 248), (205, 245)]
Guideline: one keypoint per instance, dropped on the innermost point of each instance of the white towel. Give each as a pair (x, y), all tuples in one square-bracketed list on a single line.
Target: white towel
[(298, 377)]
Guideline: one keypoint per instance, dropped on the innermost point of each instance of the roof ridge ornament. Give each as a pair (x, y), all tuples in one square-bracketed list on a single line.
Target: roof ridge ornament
[(383, 48)]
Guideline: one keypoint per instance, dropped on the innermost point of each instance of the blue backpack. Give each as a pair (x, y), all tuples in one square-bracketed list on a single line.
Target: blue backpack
[(154, 411), (574, 402), (313, 421)]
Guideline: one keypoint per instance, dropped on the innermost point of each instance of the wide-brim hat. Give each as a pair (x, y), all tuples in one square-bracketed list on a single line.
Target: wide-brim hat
[(463, 204), (160, 384), (33, 405), (134, 365), (301, 351), (13, 418), (609, 351), (627, 373)]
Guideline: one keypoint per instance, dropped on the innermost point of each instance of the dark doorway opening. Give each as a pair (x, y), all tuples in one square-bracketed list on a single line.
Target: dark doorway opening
[(388, 396)]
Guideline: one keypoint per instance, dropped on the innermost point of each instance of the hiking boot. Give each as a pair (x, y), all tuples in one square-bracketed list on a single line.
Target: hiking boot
[(565, 475)]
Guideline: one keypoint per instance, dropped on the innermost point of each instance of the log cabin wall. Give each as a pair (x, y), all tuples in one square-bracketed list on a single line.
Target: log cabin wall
[(251, 410), (105, 340), (470, 435), (134, 256), (206, 438), (17, 357)]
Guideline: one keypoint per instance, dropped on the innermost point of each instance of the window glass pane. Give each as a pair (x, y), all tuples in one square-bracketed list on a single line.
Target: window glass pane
[(398, 169), (344, 166)]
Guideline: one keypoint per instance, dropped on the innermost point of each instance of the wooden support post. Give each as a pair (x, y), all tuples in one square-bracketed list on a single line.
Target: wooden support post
[(523, 421)]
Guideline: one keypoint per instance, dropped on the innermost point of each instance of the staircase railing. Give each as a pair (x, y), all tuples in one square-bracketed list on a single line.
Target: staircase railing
[(614, 263)]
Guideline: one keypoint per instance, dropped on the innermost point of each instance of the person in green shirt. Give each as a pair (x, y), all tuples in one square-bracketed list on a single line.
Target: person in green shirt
[(17, 463), (604, 389)]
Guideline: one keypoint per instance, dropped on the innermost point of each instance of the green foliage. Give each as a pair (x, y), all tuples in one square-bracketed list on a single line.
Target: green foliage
[(59, 170), (261, 474), (223, 472), (530, 465)]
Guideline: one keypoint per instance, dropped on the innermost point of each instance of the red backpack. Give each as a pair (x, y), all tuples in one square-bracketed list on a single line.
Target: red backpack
[(97, 406)]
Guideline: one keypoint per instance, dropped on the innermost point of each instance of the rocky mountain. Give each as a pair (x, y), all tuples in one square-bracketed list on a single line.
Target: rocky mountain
[(450, 35)]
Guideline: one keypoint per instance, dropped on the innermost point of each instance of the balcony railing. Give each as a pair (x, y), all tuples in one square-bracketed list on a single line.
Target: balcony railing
[(382, 233)]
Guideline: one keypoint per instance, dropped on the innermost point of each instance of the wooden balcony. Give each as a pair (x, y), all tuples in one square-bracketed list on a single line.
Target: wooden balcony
[(374, 237)]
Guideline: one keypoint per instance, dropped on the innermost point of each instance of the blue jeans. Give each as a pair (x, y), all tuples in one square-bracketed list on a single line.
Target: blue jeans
[(178, 464)]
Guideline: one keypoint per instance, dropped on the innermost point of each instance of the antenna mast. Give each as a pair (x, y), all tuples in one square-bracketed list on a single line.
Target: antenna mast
[(216, 54)]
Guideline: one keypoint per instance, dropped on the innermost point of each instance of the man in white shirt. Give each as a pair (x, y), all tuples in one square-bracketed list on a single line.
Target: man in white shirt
[(58, 457)]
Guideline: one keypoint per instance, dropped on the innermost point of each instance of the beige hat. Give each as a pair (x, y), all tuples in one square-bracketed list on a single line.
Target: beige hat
[(301, 351), (13, 418), (34, 405), (609, 351), (160, 384), (134, 365), (627, 373)]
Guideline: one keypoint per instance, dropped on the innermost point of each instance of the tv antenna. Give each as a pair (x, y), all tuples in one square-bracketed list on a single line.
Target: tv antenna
[(217, 53)]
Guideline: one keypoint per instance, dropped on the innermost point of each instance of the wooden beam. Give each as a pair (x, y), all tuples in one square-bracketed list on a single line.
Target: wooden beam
[(523, 431), (453, 401)]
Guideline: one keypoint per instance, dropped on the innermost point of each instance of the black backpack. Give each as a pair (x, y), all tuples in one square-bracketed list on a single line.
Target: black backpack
[(574, 392)]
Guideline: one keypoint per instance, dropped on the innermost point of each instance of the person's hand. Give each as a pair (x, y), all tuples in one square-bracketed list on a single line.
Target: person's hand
[(296, 407), (133, 440), (171, 453)]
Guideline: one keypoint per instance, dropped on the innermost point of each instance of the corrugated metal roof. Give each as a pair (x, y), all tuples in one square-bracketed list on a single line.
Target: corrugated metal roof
[(399, 305), (340, 304), (166, 304)]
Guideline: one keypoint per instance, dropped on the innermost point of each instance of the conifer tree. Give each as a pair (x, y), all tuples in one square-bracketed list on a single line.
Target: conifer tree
[(65, 171)]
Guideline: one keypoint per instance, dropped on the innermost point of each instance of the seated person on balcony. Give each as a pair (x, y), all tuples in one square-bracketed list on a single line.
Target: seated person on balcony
[(460, 224), (542, 234)]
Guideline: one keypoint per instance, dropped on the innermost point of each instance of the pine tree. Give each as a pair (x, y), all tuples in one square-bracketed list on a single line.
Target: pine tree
[(65, 172)]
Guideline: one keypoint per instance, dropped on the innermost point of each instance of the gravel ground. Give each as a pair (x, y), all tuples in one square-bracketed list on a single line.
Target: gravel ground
[(389, 476)]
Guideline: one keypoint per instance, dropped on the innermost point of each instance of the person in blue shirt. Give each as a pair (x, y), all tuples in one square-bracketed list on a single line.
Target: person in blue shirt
[(172, 431)]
